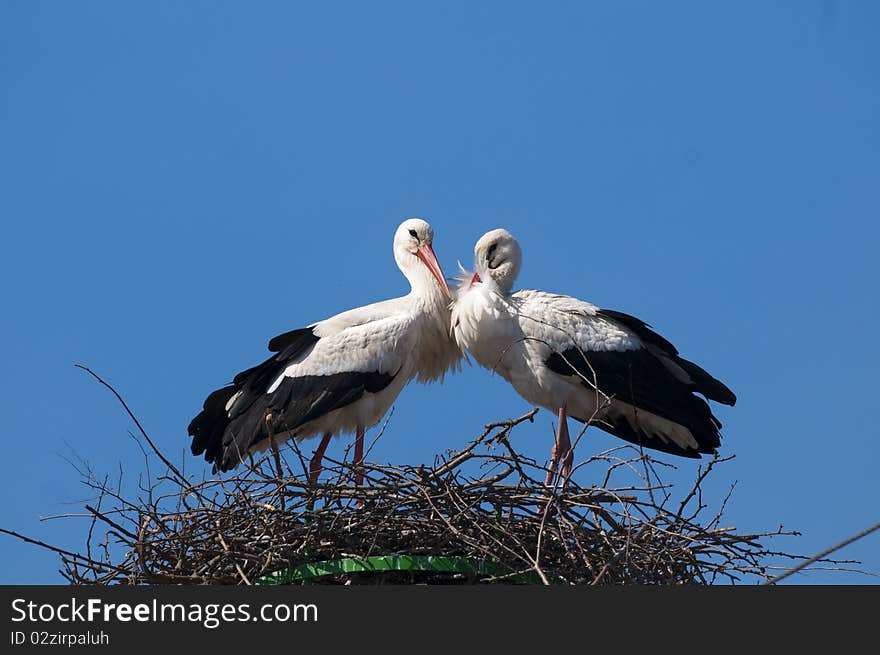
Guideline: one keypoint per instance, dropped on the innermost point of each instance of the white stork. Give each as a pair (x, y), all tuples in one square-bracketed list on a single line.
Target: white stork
[(340, 374), (577, 360)]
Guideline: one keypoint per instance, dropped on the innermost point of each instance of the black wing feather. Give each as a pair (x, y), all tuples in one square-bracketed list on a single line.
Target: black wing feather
[(225, 436), (640, 380), (637, 378), (295, 402), (702, 382)]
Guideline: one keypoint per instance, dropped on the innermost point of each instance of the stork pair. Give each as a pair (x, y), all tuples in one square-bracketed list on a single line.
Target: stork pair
[(342, 374)]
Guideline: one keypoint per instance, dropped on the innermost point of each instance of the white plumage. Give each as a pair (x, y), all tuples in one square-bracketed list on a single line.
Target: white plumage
[(337, 375), (575, 359)]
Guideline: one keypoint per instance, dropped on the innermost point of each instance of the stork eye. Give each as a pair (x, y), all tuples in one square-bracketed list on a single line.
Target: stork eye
[(492, 261), (413, 234)]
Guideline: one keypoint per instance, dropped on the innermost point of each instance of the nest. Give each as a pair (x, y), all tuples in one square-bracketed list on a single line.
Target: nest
[(479, 515)]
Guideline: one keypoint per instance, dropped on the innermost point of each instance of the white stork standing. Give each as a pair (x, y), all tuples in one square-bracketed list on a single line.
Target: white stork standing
[(340, 374), (577, 360)]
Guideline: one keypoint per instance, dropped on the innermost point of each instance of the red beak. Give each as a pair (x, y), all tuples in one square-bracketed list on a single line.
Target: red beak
[(426, 254)]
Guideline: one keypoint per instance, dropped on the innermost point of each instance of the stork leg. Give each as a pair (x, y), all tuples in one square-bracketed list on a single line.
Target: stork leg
[(567, 453), (315, 463), (562, 452), (359, 457)]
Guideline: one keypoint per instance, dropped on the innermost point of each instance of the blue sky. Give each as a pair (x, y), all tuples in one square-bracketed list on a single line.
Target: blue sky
[(179, 182)]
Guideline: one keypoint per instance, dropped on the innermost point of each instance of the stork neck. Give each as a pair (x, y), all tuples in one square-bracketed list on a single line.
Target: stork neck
[(422, 282), (427, 293)]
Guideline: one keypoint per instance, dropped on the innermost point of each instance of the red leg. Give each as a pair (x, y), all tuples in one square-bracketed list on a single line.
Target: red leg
[(561, 451), (567, 453), (359, 457), (315, 464)]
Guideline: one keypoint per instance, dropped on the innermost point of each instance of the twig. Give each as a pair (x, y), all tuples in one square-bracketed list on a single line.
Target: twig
[(131, 415), (825, 553)]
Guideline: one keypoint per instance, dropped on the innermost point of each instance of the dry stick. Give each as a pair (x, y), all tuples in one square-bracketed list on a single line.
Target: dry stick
[(465, 454), (92, 524), (76, 556), (131, 415), (226, 549), (148, 471), (111, 523), (824, 554), (702, 473), (380, 433), (276, 456)]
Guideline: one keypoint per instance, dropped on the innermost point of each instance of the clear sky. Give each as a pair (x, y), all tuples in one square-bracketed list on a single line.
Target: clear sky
[(179, 182)]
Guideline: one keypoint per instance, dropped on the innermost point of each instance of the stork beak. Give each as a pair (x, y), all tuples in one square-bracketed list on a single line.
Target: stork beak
[(426, 254)]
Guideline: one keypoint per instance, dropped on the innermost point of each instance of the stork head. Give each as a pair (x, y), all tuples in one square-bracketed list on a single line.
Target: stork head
[(415, 257), (497, 257)]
